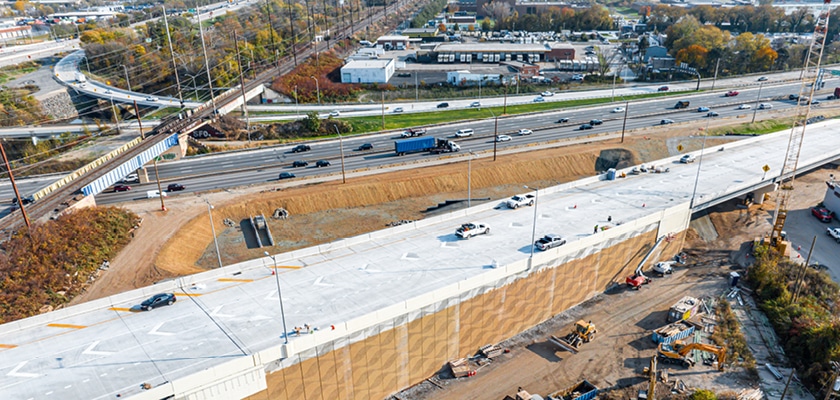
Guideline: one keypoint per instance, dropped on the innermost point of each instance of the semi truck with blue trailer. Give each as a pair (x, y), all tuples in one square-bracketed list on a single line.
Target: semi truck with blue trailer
[(420, 144)]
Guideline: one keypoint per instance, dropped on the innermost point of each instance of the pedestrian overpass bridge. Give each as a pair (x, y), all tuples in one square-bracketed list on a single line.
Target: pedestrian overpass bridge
[(386, 308)]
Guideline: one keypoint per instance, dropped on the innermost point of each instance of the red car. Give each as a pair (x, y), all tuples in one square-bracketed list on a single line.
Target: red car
[(822, 214), (731, 93), (663, 88), (122, 188)]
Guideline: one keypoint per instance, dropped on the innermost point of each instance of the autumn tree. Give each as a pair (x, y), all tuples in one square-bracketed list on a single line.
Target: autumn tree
[(694, 55)]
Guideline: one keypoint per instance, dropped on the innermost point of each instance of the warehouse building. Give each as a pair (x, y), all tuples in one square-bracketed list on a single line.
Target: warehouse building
[(368, 71), (489, 52)]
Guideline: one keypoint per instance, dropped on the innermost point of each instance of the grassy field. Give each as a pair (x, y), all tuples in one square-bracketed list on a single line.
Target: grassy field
[(11, 72), (756, 128)]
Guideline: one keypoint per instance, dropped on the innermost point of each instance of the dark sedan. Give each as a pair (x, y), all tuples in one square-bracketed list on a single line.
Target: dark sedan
[(322, 163), (286, 175), (158, 300), (175, 187), (585, 127), (299, 163)]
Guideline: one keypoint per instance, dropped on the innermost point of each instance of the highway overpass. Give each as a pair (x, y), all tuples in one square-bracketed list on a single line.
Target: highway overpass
[(389, 307)]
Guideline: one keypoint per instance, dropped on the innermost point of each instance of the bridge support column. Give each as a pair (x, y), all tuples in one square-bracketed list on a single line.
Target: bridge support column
[(758, 195), (143, 174)]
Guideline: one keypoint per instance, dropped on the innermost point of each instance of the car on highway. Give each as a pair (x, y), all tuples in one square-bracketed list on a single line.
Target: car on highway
[(703, 109), (712, 114), (153, 194), (539, 99), (175, 187), (503, 138), (688, 158), (549, 241), (151, 98), (793, 97), (365, 146), (299, 163), (666, 122), (107, 91), (443, 105), (822, 214), (301, 148), (322, 163), (618, 110), (765, 106), (466, 132), (562, 120), (525, 132), (398, 110), (468, 230), (663, 88), (595, 122), (815, 102), (475, 104), (286, 175), (744, 107), (335, 113), (158, 300), (26, 200), (762, 79), (731, 93), (131, 178), (585, 127), (121, 188), (547, 94)]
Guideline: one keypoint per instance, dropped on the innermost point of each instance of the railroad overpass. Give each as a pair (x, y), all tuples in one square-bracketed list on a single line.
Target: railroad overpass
[(387, 308)]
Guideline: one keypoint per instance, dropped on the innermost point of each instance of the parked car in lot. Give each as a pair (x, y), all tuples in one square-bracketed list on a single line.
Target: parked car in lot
[(834, 233), (822, 214), (122, 188), (562, 120), (299, 163), (175, 187), (765, 106), (468, 230), (663, 88), (595, 122), (286, 175), (322, 163), (663, 268), (744, 107), (366, 146), (158, 300), (703, 109), (525, 132), (301, 148), (443, 105), (731, 93), (503, 138), (666, 122), (549, 241), (688, 158), (585, 127)]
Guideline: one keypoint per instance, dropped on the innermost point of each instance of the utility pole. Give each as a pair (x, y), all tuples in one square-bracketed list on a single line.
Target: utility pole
[(242, 86), (14, 186), (757, 100), (624, 124), (160, 190), (798, 283), (172, 54), (294, 38), (271, 33), (383, 109), (207, 66), (139, 121), (717, 64)]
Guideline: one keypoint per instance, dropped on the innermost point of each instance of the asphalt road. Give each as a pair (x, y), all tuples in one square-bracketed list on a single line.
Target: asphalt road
[(227, 170)]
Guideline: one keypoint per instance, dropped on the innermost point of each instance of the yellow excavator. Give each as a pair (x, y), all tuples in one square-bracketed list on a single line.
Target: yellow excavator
[(680, 353)]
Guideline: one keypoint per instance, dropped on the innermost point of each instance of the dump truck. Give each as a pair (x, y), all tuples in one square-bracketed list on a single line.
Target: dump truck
[(583, 332), (445, 146), (583, 390), (681, 353), (414, 145)]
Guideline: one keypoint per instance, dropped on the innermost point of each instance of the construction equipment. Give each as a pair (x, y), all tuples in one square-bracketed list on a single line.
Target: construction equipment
[(680, 353), (807, 86), (583, 332), (649, 393), (583, 390)]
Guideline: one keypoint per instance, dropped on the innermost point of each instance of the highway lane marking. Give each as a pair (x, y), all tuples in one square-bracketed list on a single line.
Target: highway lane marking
[(155, 331), (7, 346), (15, 374), (68, 326), (188, 294), (215, 312), (126, 309), (234, 280), (91, 352), (289, 266)]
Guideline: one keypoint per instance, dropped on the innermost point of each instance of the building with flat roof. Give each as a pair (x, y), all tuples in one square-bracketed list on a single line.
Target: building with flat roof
[(368, 71), (393, 41), (420, 32), (489, 52), (522, 68)]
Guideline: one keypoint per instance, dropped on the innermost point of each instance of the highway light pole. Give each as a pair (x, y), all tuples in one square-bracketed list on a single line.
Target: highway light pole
[(757, 99), (341, 148), (279, 296), (242, 86), (624, 124), (699, 163), (317, 88), (127, 82), (534, 225), (495, 132), (172, 54), (207, 66), (213, 229), (469, 179)]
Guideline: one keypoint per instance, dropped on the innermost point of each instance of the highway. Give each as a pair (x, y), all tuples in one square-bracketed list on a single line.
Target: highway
[(106, 348), (28, 52), (261, 166)]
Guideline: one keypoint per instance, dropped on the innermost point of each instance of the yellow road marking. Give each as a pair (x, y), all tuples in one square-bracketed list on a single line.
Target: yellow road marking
[(188, 294), (234, 280), (289, 266), (7, 346), (68, 326), (120, 309)]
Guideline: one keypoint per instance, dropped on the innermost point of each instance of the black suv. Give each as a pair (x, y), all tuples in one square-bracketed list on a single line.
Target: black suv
[(366, 146), (443, 105), (562, 120), (322, 163), (299, 163), (301, 148), (286, 175), (157, 301), (596, 122), (175, 187)]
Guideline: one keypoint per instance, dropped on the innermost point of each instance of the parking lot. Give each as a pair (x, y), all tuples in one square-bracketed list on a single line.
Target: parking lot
[(802, 227)]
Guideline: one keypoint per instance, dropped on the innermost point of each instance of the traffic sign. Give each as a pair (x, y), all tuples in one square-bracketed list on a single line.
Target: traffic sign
[(765, 168), (680, 147)]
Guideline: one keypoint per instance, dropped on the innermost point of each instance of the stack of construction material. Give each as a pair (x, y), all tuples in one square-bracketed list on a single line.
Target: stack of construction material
[(671, 332), (491, 350), (751, 394), (460, 368)]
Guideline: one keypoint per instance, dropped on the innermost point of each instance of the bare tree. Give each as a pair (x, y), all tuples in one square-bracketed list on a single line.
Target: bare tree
[(498, 10), (606, 57)]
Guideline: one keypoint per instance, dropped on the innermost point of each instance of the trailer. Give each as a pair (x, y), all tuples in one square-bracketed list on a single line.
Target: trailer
[(414, 145), (583, 390), (684, 309)]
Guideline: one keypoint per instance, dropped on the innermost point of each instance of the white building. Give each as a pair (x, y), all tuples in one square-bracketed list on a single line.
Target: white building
[(467, 78), (368, 71)]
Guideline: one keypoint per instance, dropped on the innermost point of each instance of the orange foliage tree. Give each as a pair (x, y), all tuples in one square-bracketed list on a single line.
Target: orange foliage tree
[(327, 69), (694, 55)]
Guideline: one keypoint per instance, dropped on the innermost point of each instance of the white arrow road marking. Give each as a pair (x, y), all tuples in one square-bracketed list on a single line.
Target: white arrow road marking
[(91, 352), (215, 313), (318, 282), (15, 374), (154, 331)]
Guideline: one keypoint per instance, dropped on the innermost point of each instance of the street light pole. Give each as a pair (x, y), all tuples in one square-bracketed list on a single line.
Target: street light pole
[(127, 82), (280, 296), (317, 88), (534, 225), (624, 124), (213, 229), (296, 101), (613, 87), (699, 163), (469, 179), (757, 99), (341, 148)]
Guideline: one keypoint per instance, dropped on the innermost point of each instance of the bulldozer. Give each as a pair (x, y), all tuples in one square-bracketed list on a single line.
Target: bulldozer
[(680, 353), (583, 332)]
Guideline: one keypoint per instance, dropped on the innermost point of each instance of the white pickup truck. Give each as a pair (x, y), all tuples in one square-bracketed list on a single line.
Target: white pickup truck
[(833, 232), (471, 229), (520, 200)]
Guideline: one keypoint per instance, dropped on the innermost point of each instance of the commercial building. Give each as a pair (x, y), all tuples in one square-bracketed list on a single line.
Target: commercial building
[(560, 51), (368, 71), (420, 32), (489, 52), (467, 78), (523, 69), (389, 42)]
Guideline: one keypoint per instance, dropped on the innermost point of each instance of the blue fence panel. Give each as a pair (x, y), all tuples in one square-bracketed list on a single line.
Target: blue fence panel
[(115, 175), (657, 338)]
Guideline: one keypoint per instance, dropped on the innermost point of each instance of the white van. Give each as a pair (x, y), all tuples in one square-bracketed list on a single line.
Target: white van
[(153, 194), (464, 132)]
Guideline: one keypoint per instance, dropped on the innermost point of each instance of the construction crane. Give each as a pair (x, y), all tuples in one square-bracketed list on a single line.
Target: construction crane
[(808, 84)]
